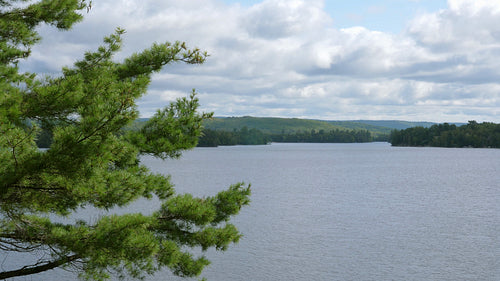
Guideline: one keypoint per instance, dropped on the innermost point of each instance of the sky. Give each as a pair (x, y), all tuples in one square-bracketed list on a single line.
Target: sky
[(414, 60)]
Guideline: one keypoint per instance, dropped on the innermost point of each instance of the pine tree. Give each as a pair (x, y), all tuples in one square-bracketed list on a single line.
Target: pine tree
[(93, 163)]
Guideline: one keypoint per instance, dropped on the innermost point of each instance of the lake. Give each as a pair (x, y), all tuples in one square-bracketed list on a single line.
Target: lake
[(349, 211)]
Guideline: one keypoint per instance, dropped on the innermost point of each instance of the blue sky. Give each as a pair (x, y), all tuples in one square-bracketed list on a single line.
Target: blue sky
[(383, 15), (416, 60)]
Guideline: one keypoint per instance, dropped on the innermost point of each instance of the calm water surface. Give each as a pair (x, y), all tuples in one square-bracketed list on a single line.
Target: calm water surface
[(350, 211)]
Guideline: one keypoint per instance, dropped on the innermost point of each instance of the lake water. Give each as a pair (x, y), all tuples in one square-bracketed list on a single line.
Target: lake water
[(349, 211)]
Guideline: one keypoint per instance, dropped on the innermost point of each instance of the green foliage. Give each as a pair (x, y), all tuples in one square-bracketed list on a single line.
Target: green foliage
[(388, 124), (291, 126), (235, 137), (256, 137), (472, 134), (170, 130), (321, 136), (268, 125), (92, 162)]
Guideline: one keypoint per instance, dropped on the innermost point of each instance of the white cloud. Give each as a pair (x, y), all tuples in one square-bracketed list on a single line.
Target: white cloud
[(474, 7), (285, 58), (280, 18)]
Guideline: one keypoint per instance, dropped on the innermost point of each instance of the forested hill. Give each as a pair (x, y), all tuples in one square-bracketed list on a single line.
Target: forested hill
[(276, 125), (472, 134), (262, 130), (393, 124), (270, 125)]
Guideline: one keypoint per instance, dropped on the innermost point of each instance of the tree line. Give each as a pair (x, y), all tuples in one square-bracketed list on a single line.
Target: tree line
[(473, 134), (322, 136), (244, 136), (254, 136)]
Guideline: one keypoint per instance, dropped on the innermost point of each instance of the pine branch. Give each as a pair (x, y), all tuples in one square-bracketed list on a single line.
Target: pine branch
[(34, 269)]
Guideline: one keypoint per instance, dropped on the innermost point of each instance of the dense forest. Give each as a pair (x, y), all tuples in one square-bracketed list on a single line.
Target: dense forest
[(275, 125), (245, 136), (322, 136), (254, 136), (472, 134), (262, 130)]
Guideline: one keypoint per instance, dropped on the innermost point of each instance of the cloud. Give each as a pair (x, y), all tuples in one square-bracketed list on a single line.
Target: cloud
[(285, 58), (476, 7), (466, 25), (466, 40), (278, 19)]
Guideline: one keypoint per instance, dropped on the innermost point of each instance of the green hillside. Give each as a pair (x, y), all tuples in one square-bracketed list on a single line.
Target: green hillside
[(394, 124), (257, 130), (270, 125), (356, 125)]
